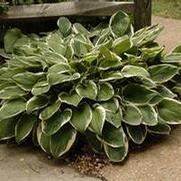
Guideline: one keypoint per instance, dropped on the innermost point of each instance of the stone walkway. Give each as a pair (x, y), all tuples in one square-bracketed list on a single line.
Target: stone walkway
[(158, 162)]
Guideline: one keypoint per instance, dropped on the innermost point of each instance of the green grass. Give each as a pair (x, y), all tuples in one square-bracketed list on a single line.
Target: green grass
[(167, 8)]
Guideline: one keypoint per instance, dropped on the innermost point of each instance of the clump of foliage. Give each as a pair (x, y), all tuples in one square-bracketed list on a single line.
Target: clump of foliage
[(108, 83)]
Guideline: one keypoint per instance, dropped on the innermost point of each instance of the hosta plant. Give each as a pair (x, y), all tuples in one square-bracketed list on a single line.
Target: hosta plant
[(108, 83)]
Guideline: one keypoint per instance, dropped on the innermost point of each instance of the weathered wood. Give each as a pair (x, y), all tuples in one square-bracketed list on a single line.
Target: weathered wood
[(86, 8), (142, 13)]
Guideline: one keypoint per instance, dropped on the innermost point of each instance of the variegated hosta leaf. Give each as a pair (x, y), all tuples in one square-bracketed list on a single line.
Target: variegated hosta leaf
[(56, 78), (72, 98), (112, 136), (111, 76), (10, 39), (43, 140), (137, 133), (165, 92), (95, 144), (7, 128), (146, 35), (62, 141), (87, 90), (12, 108), (98, 119), (50, 110), (59, 68), (162, 73), (161, 128), (149, 115), (81, 117), (138, 94), (105, 91), (114, 118), (79, 29), (81, 47), (12, 92), (117, 154), (132, 115), (24, 127), (59, 119), (64, 26), (177, 89), (55, 42), (172, 58), (134, 71), (122, 44), (170, 111), (36, 103), (119, 24), (52, 58), (41, 87), (27, 80), (111, 105)]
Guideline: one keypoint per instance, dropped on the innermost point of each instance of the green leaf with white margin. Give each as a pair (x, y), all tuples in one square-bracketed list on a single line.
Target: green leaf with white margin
[(177, 49), (162, 73), (98, 119), (62, 141), (177, 89), (81, 117), (36, 103), (155, 100), (7, 128), (170, 111), (56, 78), (122, 44), (50, 110), (64, 25), (55, 42), (150, 117), (117, 154), (137, 133), (94, 143), (114, 118), (24, 126), (52, 58), (132, 115), (27, 80), (59, 68), (72, 98), (10, 38), (134, 71), (59, 119), (138, 94), (161, 128), (119, 23), (111, 105), (41, 87), (111, 76), (43, 140), (87, 90), (105, 91), (79, 29), (172, 58), (12, 92), (112, 136), (165, 92), (12, 108)]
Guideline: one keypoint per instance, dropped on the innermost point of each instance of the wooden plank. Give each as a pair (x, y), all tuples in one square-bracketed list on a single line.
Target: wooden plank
[(142, 13), (65, 9)]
